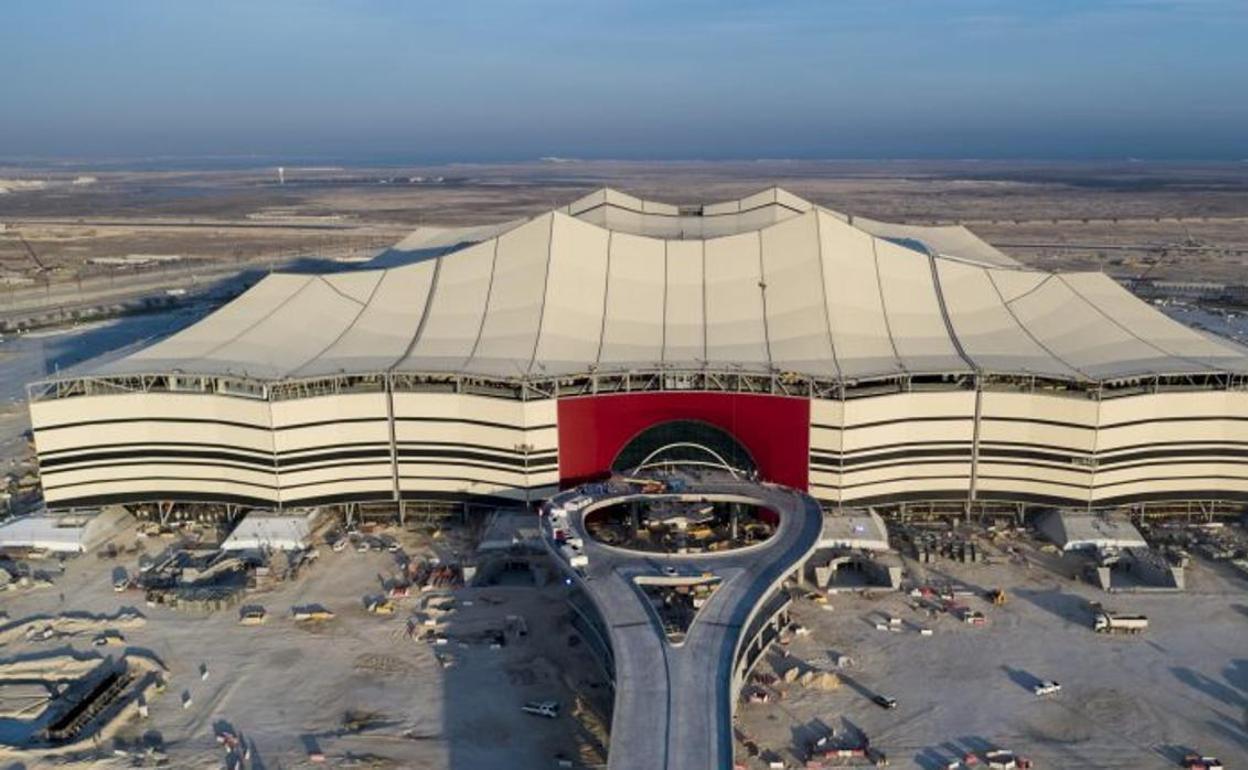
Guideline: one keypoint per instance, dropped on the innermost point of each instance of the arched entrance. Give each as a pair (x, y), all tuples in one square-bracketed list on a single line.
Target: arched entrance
[(684, 442)]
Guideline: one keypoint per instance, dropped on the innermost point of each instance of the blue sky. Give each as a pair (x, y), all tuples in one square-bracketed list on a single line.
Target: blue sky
[(520, 79)]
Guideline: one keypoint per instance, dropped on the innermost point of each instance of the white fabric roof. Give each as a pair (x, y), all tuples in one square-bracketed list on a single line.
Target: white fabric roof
[(1077, 530), (61, 532), (808, 291), (262, 529)]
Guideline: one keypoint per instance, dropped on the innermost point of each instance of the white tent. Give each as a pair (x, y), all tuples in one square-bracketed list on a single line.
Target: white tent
[(62, 532), (261, 530), (767, 283)]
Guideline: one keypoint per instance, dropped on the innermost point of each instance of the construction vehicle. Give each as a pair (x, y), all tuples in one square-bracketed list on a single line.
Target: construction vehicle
[(252, 616), (884, 701), (1194, 761), (1047, 687), (381, 607), (1109, 622), (311, 612), (109, 637), (547, 708), (972, 617), (701, 533)]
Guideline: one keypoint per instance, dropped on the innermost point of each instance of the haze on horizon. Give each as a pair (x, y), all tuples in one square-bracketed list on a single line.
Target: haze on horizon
[(498, 80)]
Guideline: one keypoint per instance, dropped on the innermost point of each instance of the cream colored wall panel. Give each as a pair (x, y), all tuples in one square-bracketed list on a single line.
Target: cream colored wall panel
[(987, 488), (826, 411), (1030, 419), (364, 489), (137, 418), (155, 488), (938, 488), (1179, 488), (141, 471)]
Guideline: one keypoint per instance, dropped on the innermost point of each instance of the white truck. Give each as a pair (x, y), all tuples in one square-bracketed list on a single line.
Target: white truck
[(1109, 622)]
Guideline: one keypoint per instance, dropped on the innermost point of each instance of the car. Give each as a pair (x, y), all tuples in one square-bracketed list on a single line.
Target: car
[(885, 702), (1047, 687), (1194, 761), (547, 708), (670, 571)]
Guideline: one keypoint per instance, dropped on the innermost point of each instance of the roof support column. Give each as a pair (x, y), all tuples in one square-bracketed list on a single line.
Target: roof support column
[(979, 404), (394, 444)]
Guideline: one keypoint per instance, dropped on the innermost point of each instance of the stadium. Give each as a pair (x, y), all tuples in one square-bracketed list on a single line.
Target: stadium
[(865, 362)]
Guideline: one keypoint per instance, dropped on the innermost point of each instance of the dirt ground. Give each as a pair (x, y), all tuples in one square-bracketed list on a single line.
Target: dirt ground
[(1127, 701), (287, 687), (1052, 215)]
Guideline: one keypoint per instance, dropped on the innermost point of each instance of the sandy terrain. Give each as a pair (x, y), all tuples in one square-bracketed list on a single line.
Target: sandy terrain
[(287, 687), (1127, 702), (245, 214)]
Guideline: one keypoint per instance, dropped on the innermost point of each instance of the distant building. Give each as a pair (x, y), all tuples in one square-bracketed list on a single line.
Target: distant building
[(866, 362)]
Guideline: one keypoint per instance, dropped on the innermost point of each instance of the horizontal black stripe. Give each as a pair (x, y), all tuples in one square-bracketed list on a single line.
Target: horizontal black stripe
[(292, 426), (142, 460), (1030, 420), (183, 496), (895, 421), (890, 447), (402, 478), (483, 466), (1030, 480), (331, 460), (151, 446), (86, 460), (388, 479), (205, 480), (898, 479)]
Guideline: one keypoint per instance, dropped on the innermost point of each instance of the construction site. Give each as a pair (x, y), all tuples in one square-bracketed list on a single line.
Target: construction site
[(368, 646), (403, 514), (244, 641)]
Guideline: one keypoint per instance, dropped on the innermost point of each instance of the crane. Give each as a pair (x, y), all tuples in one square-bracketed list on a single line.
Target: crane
[(41, 268)]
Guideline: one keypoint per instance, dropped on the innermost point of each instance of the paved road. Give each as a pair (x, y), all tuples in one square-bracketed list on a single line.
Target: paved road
[(674, 703)]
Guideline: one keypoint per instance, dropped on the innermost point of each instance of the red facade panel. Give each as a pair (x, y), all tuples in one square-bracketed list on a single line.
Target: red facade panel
[(774, 429)]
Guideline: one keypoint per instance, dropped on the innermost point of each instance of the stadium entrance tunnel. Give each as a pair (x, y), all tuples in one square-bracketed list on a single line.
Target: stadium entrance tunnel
[(684, 443), (751, 432)]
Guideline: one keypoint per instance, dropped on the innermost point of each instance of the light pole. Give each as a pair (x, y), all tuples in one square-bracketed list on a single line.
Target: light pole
[(525, 448)]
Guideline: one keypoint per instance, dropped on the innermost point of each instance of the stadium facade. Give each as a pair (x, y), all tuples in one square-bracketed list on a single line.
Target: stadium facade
[(866, 362)]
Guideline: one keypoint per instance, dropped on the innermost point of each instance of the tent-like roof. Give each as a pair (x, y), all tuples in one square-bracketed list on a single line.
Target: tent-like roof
[(769, 283)]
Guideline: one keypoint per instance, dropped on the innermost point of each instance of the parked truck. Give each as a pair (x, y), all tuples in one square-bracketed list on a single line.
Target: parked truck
[(1109, 622)]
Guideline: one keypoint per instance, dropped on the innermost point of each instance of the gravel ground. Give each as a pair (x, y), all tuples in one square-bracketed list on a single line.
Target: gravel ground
[(286, 687), (1127, 702)]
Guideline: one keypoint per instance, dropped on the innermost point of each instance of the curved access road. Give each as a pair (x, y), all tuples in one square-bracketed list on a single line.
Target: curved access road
[(674, 703)]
